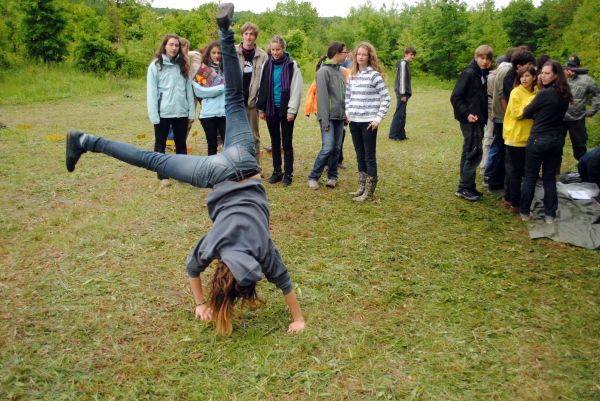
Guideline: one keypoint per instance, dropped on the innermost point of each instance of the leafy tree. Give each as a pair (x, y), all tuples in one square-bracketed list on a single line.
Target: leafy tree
[(296, 43), (583, 37), (44, 23), (524, 24), (485, 26), (559, 14), (445, 39)]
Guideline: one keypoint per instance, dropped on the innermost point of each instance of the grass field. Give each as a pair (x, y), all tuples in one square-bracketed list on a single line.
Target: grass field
[(415, 296)]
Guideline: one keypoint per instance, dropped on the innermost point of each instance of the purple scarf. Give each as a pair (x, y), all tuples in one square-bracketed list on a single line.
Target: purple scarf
[(284, 79)]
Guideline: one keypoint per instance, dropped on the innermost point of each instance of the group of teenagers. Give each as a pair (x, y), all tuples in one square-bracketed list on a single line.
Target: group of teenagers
[(239, 245), (349, 91), (529, 106)]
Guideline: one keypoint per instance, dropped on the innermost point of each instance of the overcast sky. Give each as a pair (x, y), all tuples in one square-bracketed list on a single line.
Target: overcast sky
[(325, 8)]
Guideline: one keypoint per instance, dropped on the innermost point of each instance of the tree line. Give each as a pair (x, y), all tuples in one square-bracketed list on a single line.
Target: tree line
[(121, 36)]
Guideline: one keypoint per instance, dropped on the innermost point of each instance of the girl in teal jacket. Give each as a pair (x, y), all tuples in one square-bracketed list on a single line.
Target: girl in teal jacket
[(170, 96), (211, 90)]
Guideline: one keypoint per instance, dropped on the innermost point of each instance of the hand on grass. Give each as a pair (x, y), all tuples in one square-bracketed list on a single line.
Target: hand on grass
[(296, 327), (203, 312)]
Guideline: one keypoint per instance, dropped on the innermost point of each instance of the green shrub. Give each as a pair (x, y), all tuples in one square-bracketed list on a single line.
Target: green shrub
[(96, 54)]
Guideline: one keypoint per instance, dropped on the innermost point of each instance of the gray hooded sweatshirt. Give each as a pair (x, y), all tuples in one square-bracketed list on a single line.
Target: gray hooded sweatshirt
[(240, 236)]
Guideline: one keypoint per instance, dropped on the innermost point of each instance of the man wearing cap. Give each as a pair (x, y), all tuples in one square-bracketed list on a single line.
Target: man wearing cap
[(585, 91)]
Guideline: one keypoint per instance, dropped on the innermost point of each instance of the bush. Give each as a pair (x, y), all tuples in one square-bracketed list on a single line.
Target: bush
[(96, 54)]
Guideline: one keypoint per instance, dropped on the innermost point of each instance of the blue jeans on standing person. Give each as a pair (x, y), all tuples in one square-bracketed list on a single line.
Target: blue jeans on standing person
[(365, 145), (494, 168), (471, 154), (331, 143), (397, 129), (236, 162), (545, 151)]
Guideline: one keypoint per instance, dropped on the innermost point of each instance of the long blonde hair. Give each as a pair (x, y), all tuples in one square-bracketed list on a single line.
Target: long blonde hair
[(224, 293), (373, 61)]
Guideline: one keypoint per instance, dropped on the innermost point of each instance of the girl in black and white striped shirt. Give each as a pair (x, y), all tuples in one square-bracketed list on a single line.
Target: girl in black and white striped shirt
[(367, 103)]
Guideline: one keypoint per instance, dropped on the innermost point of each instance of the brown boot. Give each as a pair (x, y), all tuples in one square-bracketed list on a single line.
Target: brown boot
[(370, 186), (362, 180)]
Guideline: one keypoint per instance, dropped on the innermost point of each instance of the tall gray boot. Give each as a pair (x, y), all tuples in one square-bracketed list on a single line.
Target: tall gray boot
[(362, 180), (370, 186)]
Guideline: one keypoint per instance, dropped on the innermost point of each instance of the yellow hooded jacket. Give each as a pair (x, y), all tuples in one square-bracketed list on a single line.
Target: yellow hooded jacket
[(516, 129)]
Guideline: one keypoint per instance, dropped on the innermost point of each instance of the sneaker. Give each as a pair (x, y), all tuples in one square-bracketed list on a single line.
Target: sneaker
[(74, 149), (549, 219), (225, 16), (287, 180), (486, 181), (313, 184), (331, 183), (165, 182), (467, 194), (276, 177), (476, 192), (525, 217)]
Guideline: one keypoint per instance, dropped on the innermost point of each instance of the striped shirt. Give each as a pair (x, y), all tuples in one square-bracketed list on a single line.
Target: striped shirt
[(367, 97)]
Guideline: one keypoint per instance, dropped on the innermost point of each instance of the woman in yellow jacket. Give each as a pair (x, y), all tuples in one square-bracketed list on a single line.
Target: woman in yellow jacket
[(516, 132)]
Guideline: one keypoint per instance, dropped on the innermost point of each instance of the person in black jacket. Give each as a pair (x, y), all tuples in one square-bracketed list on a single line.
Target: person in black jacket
[(403, 93), (469, 100), (545, 144), (278, 102)]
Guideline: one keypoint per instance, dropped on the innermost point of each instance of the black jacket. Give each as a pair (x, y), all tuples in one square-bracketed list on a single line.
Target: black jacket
[(547, 109), (402, 82), (470, 94)]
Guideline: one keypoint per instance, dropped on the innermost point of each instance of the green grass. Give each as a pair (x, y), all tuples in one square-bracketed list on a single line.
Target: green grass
[(415, 296), (38, 83)]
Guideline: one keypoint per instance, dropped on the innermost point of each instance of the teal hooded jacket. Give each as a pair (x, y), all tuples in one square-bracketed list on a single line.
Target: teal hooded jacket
[(169, 93)]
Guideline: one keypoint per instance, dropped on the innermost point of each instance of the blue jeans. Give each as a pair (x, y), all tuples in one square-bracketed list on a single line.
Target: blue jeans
[(494, 168), (471, 154), (397, 129), (331, 144), (236, 162), (545, 151), (365, 145)]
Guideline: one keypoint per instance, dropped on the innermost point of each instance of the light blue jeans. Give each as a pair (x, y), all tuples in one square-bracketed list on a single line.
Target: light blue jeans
[(238, 158), (331, 145)]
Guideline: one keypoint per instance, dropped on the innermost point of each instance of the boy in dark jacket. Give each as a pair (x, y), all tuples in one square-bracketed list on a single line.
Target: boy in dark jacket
[(469, 100), (403, 93)]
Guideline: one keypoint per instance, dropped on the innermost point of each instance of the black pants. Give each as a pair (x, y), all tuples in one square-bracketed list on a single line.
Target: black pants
[(397, 129), (515, 170), (281, 131), (544, 151), (365, 145), (213, 128), (161, 132), (579, 136), (471, 154)]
